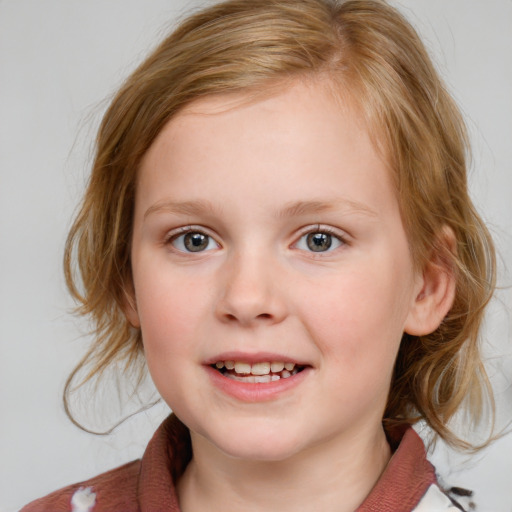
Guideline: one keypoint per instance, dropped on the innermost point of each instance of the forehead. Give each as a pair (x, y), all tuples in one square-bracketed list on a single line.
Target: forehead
[(302, 141)]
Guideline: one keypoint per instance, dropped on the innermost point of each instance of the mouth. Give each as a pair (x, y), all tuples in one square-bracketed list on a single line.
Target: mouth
[(257, 373)]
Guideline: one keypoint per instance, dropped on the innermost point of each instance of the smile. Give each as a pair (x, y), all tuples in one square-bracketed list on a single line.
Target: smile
[(257, 373)]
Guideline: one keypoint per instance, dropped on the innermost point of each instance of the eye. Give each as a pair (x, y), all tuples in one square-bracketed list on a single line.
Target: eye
[(193, 241), (320, 240)]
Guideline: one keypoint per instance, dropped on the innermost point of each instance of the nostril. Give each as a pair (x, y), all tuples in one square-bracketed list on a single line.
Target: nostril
[(263, 316)]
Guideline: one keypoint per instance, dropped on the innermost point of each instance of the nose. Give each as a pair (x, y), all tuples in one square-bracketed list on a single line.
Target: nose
[(251, 292)]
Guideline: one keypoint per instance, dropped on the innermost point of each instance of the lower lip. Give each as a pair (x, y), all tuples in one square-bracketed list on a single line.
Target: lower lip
[(255, 392)]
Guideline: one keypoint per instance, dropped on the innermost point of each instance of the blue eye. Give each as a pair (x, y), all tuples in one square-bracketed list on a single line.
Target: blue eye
[(319, 241), (193, 241)]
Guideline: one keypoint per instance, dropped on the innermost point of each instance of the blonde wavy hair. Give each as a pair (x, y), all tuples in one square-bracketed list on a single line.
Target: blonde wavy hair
[(365, 49)]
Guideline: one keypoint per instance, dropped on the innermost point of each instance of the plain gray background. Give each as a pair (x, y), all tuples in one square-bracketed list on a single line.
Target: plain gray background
[(59, 61)]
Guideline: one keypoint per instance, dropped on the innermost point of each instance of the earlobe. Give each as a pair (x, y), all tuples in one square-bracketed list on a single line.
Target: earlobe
[(437, 288), (129, 306)]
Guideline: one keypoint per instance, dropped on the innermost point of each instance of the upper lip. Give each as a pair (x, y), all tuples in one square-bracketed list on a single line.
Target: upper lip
[(256, 357)]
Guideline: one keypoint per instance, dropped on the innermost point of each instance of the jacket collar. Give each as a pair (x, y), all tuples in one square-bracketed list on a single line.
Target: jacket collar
[(401, 486)]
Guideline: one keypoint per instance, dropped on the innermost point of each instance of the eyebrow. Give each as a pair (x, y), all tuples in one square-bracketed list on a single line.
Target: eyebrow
[(298, 208), (293, 209), (182, 207)]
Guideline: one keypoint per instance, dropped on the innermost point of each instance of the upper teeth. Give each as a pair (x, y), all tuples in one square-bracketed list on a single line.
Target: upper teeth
[(263, 368)]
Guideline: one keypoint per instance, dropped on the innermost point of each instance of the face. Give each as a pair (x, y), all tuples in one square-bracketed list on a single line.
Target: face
[(272, 275)]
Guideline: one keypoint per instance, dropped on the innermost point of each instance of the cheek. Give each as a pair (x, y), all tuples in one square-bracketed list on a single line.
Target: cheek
[(357, 319), (169, 310)]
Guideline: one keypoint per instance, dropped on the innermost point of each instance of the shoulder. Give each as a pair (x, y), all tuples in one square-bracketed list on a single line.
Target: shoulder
[(147, 483), (114, 490), (409, 481)]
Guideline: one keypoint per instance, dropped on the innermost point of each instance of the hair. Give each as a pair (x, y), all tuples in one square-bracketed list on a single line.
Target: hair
[(368, 52)]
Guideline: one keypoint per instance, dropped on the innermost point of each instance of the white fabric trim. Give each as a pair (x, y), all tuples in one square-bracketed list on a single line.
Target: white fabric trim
[(435, 500), (83, 500)]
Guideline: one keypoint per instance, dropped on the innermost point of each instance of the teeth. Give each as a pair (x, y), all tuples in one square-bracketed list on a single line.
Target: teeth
[(276, 367), (260, 369), (244, 368), (254, 379), (262, 378)]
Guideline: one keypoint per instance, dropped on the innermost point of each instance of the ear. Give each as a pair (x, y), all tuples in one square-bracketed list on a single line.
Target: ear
[(129, 305), (436, 288)]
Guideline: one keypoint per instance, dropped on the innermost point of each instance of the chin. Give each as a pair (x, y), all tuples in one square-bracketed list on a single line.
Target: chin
[(257, 442), (261, 451)]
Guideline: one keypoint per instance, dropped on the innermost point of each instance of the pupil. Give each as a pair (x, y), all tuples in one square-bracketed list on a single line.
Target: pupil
[(195, 242), (318, 242)]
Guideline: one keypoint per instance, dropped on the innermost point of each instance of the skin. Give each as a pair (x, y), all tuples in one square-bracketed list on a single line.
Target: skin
[(261, 175)]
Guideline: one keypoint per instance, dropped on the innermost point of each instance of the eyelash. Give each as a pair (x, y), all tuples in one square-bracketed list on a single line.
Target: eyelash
[(319, 229), (323, 230), (183, 232)]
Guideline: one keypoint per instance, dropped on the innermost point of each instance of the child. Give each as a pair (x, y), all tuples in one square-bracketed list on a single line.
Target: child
[(278, 224)]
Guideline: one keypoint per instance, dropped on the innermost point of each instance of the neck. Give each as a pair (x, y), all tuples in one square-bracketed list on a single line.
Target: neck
[(336, 475)]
